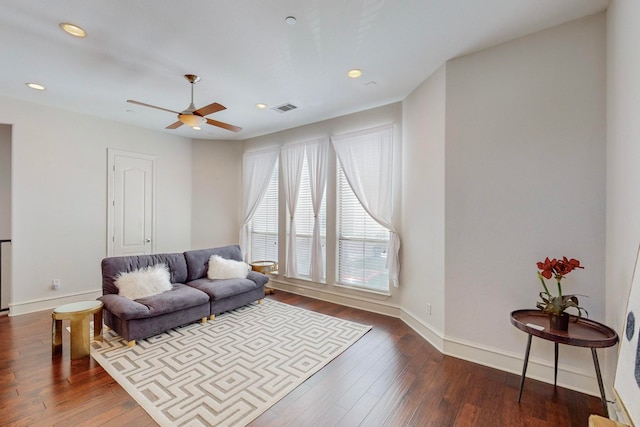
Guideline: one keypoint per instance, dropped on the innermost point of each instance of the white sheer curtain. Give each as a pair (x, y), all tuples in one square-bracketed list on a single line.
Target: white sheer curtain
[(317, 155), (291, 159), (367, 161), (257, 168)]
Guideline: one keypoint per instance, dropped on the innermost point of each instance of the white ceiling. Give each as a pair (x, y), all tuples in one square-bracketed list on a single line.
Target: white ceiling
[(245, 53)]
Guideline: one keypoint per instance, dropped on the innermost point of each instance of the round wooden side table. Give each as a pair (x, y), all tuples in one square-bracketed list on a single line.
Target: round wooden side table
[(78, 313), (582, 333)]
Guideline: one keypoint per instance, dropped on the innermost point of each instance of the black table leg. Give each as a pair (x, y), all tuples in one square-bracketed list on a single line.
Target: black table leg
[(599, 376), (555, 366), (524, 367)]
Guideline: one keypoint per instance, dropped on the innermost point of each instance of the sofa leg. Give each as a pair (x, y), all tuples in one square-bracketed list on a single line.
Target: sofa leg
[(204, 320), (131, 343), (259, 301), (213, 316)]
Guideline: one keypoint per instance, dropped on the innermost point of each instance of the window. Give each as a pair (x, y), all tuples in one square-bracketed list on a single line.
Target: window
[(304, 224), (362, 242), (264, 225)]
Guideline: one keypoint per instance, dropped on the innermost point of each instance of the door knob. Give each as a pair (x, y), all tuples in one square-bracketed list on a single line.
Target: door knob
[(147, 240)]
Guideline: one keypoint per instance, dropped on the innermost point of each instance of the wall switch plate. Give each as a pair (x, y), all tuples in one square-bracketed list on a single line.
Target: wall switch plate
[(55, 284), (428, 308)]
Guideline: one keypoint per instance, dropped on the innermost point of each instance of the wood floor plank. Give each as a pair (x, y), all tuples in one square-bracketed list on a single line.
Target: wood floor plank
[(390, 377)]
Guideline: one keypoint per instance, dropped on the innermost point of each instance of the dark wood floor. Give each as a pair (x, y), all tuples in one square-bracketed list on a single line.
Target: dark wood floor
[(390, 377)]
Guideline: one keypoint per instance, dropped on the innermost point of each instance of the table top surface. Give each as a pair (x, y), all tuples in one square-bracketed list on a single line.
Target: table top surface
[(75, 307), (582, 332), (262, 263)]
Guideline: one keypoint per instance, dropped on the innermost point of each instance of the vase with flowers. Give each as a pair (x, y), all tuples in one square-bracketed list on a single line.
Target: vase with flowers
[(555, 306)]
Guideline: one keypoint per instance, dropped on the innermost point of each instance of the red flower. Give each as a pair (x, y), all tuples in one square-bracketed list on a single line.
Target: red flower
[(566, 266), (547, 267)]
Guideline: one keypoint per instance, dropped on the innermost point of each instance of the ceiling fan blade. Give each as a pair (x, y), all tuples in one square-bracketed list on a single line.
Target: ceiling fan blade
[(174, 125), (209, 109), (151, 106), (222, 125)]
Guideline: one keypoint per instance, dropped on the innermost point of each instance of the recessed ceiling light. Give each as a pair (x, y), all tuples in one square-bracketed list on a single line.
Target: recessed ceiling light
[(291, 20), (355, 73), (261, 106), (35, 86), (72, 29), (196, 128)]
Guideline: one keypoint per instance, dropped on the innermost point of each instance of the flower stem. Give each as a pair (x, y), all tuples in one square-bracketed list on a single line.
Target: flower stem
[(559, 288), (544, 285)]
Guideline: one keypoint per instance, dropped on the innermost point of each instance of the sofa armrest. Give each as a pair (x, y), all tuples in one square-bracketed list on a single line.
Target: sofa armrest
[(259, 278), (122, 307)]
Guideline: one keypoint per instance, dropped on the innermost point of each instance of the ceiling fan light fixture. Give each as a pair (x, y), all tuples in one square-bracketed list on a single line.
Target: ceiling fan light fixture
[(196, 128), (35, 86), (355, 73), (73, 30), (192, 120)]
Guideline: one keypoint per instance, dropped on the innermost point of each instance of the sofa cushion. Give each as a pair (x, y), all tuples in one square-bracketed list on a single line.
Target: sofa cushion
[(178, 298), (113, 266), (198, 260), (223, 288)]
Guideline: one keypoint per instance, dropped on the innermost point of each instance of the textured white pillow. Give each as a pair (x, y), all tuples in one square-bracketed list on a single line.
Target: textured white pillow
[(144, 282), (222, 268)]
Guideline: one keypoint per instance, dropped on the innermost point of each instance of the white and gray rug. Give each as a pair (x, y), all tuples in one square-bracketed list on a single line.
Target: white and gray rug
[(230, 370)]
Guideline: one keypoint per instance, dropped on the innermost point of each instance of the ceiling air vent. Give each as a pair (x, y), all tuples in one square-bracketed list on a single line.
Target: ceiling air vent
[(284, 108)]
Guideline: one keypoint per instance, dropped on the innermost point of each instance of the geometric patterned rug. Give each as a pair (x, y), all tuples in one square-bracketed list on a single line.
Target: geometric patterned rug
[(228, 371)]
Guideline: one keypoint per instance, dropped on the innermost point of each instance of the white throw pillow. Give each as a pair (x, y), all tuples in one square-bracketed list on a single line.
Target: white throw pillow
[(144, 282), (222, 268)]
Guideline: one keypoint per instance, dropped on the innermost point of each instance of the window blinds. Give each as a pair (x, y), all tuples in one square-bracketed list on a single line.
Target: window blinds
[(264, 225), (362, 242)]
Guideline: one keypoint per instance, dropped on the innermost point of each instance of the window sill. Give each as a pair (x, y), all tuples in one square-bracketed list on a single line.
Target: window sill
[(362, 289), (335, 289)]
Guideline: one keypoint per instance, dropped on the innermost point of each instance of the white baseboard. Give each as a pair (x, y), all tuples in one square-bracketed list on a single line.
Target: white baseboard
[(25, 307), (569, 377), (348, 300), (433, 337)]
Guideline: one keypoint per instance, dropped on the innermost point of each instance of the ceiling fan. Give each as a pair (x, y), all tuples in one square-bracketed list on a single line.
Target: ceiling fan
[(191, 116)]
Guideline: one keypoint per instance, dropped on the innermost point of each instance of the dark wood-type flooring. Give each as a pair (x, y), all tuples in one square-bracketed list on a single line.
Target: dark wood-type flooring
[(390, 377)]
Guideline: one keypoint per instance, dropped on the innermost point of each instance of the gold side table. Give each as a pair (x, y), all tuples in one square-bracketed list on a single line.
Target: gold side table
[(78, 313), (265, 267)]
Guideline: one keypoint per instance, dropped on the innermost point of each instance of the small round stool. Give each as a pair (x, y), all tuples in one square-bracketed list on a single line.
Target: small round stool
[(78, 313)]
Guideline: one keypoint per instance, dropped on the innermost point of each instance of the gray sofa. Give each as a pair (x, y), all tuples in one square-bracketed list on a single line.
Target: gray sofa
[(193, 296)]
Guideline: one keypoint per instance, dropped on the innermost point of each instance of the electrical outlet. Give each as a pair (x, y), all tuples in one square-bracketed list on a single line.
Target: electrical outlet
[(428, 308), (55, 284)]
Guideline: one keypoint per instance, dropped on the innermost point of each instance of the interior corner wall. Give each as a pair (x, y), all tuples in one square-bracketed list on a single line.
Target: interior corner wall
[(217, 189), (524, 180), (5, 182), (623, 158), (423, 220), (59, 198)]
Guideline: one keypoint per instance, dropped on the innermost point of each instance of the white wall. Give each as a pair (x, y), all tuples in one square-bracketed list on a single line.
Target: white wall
[(217, 190), (423, 220), (60, 198), (623, 159), (5, 181), (525, 179)]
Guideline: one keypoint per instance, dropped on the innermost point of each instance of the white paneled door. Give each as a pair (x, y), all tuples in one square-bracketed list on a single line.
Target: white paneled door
[(131, 203)]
